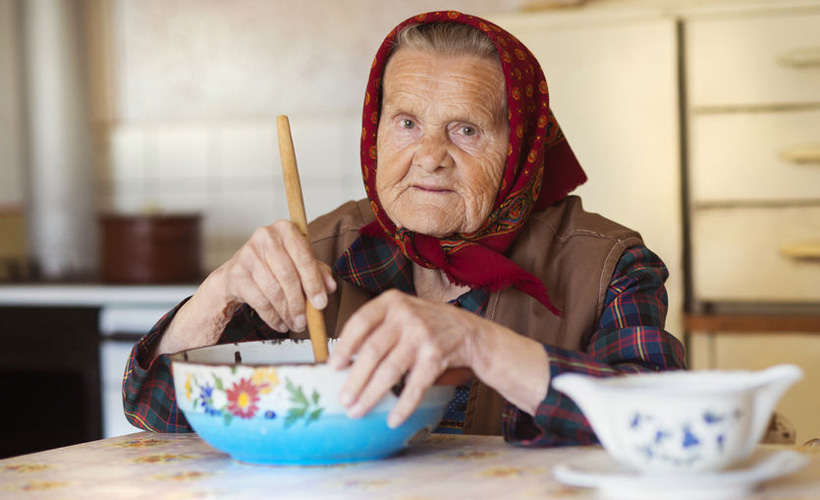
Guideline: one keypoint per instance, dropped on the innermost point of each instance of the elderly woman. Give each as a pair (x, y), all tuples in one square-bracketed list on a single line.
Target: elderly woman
[(468, 253)]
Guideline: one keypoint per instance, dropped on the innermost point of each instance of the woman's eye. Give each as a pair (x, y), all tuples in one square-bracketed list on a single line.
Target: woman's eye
[(468, 131), (407, 123)]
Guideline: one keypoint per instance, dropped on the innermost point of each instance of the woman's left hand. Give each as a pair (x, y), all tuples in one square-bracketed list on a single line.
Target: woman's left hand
[(397, 334)]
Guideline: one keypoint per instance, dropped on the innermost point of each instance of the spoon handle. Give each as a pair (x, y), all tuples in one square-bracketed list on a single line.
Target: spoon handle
[(296, 207)]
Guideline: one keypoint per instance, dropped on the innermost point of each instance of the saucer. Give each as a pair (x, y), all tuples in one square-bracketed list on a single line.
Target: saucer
[(615, 481)]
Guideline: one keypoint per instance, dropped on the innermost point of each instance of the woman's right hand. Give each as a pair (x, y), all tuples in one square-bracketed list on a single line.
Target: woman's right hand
[(272, 272)]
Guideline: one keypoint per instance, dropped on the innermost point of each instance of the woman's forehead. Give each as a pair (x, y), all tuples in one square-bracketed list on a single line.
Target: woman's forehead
[(416, 78)]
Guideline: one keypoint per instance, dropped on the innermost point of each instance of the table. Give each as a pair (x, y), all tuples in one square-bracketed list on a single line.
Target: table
[(182, 466)]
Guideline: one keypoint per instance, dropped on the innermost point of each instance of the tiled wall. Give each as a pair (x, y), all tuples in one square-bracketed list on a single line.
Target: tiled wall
[(227, 170)]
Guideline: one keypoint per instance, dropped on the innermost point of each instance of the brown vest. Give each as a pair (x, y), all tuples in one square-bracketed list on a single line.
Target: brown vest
[(574, 252)]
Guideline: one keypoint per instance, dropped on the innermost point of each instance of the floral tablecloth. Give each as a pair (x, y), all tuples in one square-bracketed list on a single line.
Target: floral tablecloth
[(182, 466)]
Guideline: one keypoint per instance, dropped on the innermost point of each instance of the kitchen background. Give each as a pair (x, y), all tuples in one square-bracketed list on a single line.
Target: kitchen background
[(698, 123)]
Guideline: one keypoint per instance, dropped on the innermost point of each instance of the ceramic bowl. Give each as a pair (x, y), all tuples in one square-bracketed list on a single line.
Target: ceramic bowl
[(266, 402), (680, 422)]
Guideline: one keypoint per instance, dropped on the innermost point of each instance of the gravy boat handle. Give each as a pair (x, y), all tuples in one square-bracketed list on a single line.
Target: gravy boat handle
[(780, 375), (770, 384)]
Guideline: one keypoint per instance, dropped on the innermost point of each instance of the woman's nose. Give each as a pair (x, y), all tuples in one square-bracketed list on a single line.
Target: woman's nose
[(433, 152)]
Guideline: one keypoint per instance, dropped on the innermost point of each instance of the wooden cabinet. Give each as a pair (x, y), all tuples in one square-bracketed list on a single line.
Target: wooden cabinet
[(752, 88), (741, 253), (613, 81), (754, 155), (762, 58), (699, 126)]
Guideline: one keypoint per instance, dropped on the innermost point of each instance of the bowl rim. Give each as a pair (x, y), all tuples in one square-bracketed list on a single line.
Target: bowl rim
[(181, 357), (676, 383), (452, 376)]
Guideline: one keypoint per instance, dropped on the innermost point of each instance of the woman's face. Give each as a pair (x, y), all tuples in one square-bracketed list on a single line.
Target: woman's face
[(442, 141)]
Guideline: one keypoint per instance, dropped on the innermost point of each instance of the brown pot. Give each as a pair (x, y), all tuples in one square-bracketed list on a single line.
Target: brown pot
[(151, 248)]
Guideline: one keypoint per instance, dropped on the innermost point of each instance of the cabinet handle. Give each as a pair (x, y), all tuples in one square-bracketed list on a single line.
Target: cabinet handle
[(802, 251), (801, 58), (802, 154)]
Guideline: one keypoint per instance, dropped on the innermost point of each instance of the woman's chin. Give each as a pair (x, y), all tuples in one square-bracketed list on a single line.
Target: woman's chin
[(432, 220)]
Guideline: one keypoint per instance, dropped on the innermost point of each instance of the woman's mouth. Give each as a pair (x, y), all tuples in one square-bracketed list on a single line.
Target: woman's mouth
[(432, 188)]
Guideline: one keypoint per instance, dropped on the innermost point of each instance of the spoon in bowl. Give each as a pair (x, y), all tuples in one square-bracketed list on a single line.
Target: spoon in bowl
[(296, 208)]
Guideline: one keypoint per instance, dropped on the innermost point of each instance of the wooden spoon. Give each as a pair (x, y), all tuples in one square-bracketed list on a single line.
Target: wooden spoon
[(296, 207)]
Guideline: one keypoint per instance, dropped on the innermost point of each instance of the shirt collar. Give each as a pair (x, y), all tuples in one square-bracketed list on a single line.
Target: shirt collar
[(376, 265)]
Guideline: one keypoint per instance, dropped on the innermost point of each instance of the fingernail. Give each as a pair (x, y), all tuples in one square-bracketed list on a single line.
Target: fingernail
[(300, 322), (319, 301), (345, 399), (333, 362), (355, 412), (393, 421)]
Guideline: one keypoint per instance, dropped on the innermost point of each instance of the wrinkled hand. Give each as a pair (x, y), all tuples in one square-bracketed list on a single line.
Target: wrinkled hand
[(397, 334), (273, 273)]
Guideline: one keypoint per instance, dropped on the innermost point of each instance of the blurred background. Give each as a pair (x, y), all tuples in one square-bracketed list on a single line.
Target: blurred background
[(170, 107), (698, 123)]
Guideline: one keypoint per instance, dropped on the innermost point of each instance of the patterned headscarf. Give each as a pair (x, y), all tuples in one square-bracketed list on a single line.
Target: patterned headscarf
[(540, 170)]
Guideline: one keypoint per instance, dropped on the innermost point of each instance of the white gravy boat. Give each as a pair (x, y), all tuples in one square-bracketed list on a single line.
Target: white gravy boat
[(680, 421)]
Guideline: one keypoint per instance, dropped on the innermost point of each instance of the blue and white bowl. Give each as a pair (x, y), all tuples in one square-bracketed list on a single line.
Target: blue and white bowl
[(680, 422), (266, 402)]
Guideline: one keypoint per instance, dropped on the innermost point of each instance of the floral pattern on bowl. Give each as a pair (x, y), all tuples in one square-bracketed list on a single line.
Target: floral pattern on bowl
[(266, 402), (244, 397)]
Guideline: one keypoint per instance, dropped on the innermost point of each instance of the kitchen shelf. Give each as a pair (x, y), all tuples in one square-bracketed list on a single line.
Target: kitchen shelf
[(751, 323)]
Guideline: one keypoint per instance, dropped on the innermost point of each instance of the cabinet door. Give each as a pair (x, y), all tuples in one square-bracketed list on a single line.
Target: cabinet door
[(801, 403), (742, 254), (770, 60), (49, 377), (756, 156), (613, 87)]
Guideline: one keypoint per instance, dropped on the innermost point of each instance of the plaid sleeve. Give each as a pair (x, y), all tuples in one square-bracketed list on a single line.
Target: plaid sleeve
[(148, 393), (629, 338)]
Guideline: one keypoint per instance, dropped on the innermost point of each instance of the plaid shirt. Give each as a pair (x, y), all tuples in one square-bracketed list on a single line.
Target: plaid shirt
[(629, 338)]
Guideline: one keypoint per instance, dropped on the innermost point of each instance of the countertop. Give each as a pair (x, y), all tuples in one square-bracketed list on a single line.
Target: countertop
[(93, 295), (443, 467)]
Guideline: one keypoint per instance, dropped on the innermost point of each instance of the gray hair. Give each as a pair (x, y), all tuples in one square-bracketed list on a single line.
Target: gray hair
[(446, 38)]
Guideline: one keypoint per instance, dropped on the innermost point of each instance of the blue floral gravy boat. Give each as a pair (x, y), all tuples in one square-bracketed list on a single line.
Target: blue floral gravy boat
[(680, 421), (266, 402)]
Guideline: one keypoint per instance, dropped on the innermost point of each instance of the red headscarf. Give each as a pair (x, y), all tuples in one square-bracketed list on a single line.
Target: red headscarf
[(540, 170)]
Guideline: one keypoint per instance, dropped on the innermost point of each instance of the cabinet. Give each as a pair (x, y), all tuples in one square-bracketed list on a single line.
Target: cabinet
[(752, 88), (613, 80), (63, 350), (699, 125), (49, 372)]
